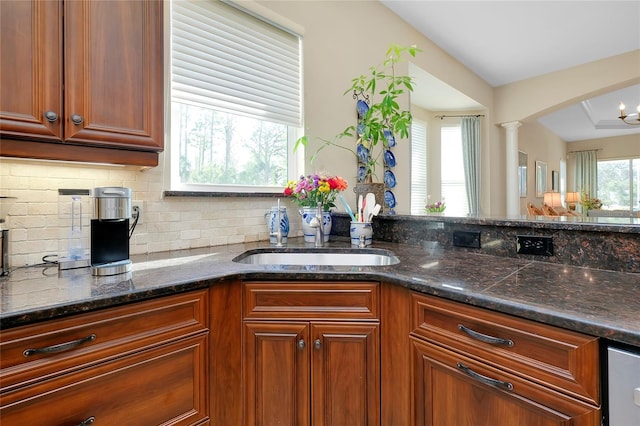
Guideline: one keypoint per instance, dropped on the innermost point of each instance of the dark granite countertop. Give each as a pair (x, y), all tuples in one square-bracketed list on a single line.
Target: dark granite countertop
[(592, 301)]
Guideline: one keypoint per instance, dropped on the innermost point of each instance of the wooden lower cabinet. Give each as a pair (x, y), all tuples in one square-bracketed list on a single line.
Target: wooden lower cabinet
[(310, 373), (452, 389), (475, 367), (145, 364), (165, 385), (320, 370)]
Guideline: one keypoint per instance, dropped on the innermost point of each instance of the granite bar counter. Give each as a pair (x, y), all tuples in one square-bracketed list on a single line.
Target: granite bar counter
[(592, 301)]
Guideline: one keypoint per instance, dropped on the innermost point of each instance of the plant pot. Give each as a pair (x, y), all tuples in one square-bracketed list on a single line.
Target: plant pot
[(375, 188), (308, 232)]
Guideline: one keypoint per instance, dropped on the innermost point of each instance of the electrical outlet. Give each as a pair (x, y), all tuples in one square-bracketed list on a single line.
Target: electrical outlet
[(469, 239), (531, 244), (136, 208)]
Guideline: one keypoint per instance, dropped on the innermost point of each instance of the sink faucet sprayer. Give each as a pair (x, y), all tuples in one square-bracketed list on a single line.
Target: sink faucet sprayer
[(317, 223)]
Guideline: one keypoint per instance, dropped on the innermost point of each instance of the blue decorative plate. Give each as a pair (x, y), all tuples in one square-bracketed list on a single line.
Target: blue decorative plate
[(389, 199), (389, 178), (389, 158), (363, 153), (360, 129), (362, 108), (391, 140), (362, 173)]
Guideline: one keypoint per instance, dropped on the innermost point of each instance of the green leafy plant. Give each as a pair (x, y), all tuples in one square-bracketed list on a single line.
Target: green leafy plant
[(589, 203), (380, 88)]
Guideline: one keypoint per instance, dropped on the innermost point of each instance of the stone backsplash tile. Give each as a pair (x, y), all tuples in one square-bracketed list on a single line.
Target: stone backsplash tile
[(594, 248)]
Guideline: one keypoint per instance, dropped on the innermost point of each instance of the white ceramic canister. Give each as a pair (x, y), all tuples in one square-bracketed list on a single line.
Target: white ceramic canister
[(272, 224), (358, 229), (308, 231)]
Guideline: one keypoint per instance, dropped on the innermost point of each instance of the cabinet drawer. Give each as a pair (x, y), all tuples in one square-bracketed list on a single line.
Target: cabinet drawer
[(452, 389), (85, 339), (558, 358), (164, 385), (310, 300)]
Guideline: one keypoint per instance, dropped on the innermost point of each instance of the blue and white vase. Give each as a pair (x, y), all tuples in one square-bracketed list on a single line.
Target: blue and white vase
[(309, 233), (272, 224), (361, 229)]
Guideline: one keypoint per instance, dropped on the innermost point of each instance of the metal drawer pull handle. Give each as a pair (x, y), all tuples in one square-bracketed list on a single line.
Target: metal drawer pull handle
[(486, 338), (301, 344), (59, 348), (484, 379), (91, 420), (317, 344)]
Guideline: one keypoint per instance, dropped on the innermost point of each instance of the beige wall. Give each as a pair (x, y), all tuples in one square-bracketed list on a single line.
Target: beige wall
[(541, 95), (539, 144)]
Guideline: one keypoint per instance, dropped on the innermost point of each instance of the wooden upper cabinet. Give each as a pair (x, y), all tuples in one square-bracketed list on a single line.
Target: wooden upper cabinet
[(85, 76), (113, 73), (31, 69)]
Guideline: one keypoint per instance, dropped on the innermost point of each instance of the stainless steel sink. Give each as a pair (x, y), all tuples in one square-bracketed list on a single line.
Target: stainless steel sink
[(325, 257)]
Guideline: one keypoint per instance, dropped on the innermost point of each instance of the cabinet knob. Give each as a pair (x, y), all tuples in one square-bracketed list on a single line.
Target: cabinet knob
[(317, 344), (51, 116), (76, 118), (301, 344)]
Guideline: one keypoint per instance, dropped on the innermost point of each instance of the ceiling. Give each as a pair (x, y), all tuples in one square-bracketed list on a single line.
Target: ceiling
[(508, 41)]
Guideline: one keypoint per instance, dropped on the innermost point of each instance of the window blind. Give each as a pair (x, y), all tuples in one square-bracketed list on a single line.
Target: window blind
[(419, 182), (228, 60)]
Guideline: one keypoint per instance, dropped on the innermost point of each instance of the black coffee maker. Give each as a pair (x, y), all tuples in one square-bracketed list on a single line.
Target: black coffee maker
[(110, 231)]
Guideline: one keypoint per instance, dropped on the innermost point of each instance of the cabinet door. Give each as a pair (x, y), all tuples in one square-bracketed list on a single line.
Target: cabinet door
[(114, 73), (345, 374), (165, 385), (451, 389), (276, 373), (31, 69)]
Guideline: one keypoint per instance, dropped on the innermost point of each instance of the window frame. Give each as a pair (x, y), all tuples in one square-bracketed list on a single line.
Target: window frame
[(632, 206), (295, 160)]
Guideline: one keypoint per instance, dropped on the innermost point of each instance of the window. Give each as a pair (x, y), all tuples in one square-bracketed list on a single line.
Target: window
[(235, 99), (619, 184), (419, 182), (452, 182)]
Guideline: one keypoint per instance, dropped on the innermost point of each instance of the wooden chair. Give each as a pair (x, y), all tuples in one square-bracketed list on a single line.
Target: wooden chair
[(533, 210), (549, 211)]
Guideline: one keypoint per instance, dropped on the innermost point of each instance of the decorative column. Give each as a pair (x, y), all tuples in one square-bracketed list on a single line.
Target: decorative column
[(511, 173)]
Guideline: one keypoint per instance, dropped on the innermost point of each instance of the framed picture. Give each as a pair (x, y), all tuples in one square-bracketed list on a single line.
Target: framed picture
[(555, 181), (522, 173), (541, 178)]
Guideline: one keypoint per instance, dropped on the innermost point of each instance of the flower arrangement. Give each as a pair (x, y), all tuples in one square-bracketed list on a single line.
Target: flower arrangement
[(589, 203), (310, 190), (437, 207)]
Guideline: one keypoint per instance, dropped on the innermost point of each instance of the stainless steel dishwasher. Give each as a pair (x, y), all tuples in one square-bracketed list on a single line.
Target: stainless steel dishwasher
[(624, 386)]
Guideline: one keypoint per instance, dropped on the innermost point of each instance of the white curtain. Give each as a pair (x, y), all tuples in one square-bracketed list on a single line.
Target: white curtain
[(470, 130), (587, 172)]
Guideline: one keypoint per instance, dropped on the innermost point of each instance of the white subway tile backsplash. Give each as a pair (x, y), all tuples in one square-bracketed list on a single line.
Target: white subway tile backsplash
[(39, 224)]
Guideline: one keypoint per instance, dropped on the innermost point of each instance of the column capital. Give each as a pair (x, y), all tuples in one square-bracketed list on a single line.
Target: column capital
[(512, 124)]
